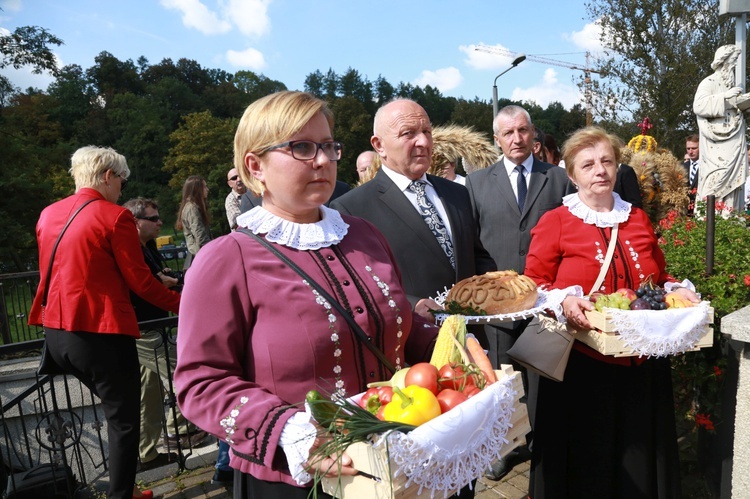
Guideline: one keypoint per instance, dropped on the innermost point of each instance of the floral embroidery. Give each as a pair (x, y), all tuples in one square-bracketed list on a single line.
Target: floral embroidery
[(385, 289), (634, 256), (339, 383), (229, 423)]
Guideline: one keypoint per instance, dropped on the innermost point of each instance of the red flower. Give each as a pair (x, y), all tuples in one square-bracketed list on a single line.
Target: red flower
[(704, 420), (718, 372), (732, 277), (747, 280)]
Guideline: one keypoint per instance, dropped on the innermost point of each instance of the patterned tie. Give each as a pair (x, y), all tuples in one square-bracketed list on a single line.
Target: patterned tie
[(693, 171), (521, 185), (432, 219)]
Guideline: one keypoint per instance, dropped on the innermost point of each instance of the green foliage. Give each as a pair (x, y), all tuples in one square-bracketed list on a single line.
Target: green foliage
[(698, 376), (656, 53), (29, 46)]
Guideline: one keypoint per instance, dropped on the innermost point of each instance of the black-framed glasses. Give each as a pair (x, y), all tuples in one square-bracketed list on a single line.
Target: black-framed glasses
[(305, 150), (124, 181), (154, 218), (234, 178)]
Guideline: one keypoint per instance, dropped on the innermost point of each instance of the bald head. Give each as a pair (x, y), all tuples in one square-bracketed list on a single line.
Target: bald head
[(364, 160), (403, 137)]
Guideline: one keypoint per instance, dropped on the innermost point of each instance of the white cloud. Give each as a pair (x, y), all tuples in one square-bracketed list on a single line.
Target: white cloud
[(196, 15), (588, 38), (484, 59), (247, 59), (250, 16), (549, 90), (443, 79)]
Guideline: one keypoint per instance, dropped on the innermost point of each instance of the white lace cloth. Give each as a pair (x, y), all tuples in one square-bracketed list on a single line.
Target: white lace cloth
[(547, 300), (329, 231), (658, 333), (448, 452), (619, 213)]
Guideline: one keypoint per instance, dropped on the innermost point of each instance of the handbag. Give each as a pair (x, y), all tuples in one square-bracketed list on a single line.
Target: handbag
[(47, 364), (544, 346), (361, 335)]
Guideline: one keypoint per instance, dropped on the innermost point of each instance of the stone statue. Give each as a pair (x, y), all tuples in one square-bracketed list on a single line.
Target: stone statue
[(718, 106)]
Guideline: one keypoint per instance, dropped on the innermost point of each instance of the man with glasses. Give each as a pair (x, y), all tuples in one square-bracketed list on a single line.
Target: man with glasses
[(232, 203), (152, 351)]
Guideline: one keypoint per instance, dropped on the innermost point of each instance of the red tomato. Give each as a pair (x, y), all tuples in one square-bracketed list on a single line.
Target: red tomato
[(471, 390), (455, 377), (423, 374), (365, 400), (449, 398), (385, 394)]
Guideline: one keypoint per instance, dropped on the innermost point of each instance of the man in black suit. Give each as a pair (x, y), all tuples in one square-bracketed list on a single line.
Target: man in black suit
[(627, 186), (692, 165), (429, 263), (508, 198)]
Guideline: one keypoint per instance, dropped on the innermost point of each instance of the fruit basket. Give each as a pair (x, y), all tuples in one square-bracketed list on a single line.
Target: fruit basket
[(441, 456), (657, 333)]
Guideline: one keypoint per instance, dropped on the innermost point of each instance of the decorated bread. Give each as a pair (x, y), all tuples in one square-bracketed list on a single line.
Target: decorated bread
[(500, 292)]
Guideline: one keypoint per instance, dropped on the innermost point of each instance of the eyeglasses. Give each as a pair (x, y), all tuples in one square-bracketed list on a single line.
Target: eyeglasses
[(305, 150), (154, 218), (234, 178)]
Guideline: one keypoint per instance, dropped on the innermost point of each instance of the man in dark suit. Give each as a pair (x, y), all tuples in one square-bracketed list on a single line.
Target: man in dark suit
[(692, 165), (627, 186), (508, 198), (428, 262)]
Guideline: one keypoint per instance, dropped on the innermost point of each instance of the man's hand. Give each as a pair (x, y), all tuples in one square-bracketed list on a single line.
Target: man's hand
[(424, 306), (169, 282)]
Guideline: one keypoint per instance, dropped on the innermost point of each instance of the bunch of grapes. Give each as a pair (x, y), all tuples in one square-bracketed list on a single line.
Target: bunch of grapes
[(653, 295), (613, 300)]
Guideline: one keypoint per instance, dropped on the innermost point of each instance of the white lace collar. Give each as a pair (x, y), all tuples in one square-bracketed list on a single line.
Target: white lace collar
[(329, 231), (619, 214)]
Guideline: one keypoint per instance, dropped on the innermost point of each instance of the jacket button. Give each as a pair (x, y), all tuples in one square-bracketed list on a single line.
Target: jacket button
[(359, 310), (330, 258), (522, 252), (372, 374), (345, 282)]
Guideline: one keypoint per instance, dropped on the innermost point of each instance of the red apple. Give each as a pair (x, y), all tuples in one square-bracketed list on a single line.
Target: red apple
[(627, 293), (595, 296)]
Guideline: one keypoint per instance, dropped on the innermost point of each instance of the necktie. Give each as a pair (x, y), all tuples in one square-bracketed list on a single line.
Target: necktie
[(693, 171), (521, 185), (432, 219)]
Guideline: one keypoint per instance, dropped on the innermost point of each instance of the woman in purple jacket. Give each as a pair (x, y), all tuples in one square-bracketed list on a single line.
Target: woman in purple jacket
[(254, 337)]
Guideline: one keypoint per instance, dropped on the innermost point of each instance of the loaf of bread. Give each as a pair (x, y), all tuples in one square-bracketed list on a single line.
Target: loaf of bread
[(500, 292)]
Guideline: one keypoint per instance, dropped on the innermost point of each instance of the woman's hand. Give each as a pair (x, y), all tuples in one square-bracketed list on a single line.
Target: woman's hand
[(328, 466), (689, 295), (574, 309)]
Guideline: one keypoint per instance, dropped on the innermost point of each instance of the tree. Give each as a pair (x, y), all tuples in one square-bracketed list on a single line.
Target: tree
[(353, 128), (29, 46), (656, 53), (202, 145)]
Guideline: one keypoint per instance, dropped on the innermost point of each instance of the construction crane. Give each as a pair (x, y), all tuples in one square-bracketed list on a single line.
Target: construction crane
[(544, 60)]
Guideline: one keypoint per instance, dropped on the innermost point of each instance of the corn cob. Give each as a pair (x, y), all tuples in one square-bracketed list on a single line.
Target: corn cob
[(445, 350)]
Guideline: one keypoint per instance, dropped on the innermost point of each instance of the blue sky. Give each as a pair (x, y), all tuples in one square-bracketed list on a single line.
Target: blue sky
[(416, 41)]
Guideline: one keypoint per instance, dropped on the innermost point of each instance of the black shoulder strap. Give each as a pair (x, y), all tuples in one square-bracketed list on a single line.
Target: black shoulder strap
[(334, 303), (54, 250)]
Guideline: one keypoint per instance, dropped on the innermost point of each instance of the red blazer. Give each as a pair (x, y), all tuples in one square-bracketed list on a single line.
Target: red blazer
[(98, 261)]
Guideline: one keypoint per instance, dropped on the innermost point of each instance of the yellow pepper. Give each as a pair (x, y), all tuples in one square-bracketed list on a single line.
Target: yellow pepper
[(412, 405)]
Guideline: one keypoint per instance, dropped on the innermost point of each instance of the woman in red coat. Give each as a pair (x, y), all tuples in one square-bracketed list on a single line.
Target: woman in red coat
[(607, 430), (89, 322)]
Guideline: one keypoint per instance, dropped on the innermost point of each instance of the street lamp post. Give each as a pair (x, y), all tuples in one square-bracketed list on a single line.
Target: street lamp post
[(518, 60)]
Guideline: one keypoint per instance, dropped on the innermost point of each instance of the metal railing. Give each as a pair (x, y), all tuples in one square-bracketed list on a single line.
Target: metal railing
[(54, 425)]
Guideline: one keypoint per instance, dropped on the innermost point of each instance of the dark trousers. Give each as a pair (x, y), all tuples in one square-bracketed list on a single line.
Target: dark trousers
[(108, 365)]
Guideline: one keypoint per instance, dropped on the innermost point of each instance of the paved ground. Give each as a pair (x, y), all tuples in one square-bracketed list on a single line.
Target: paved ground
[(196, 484)]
